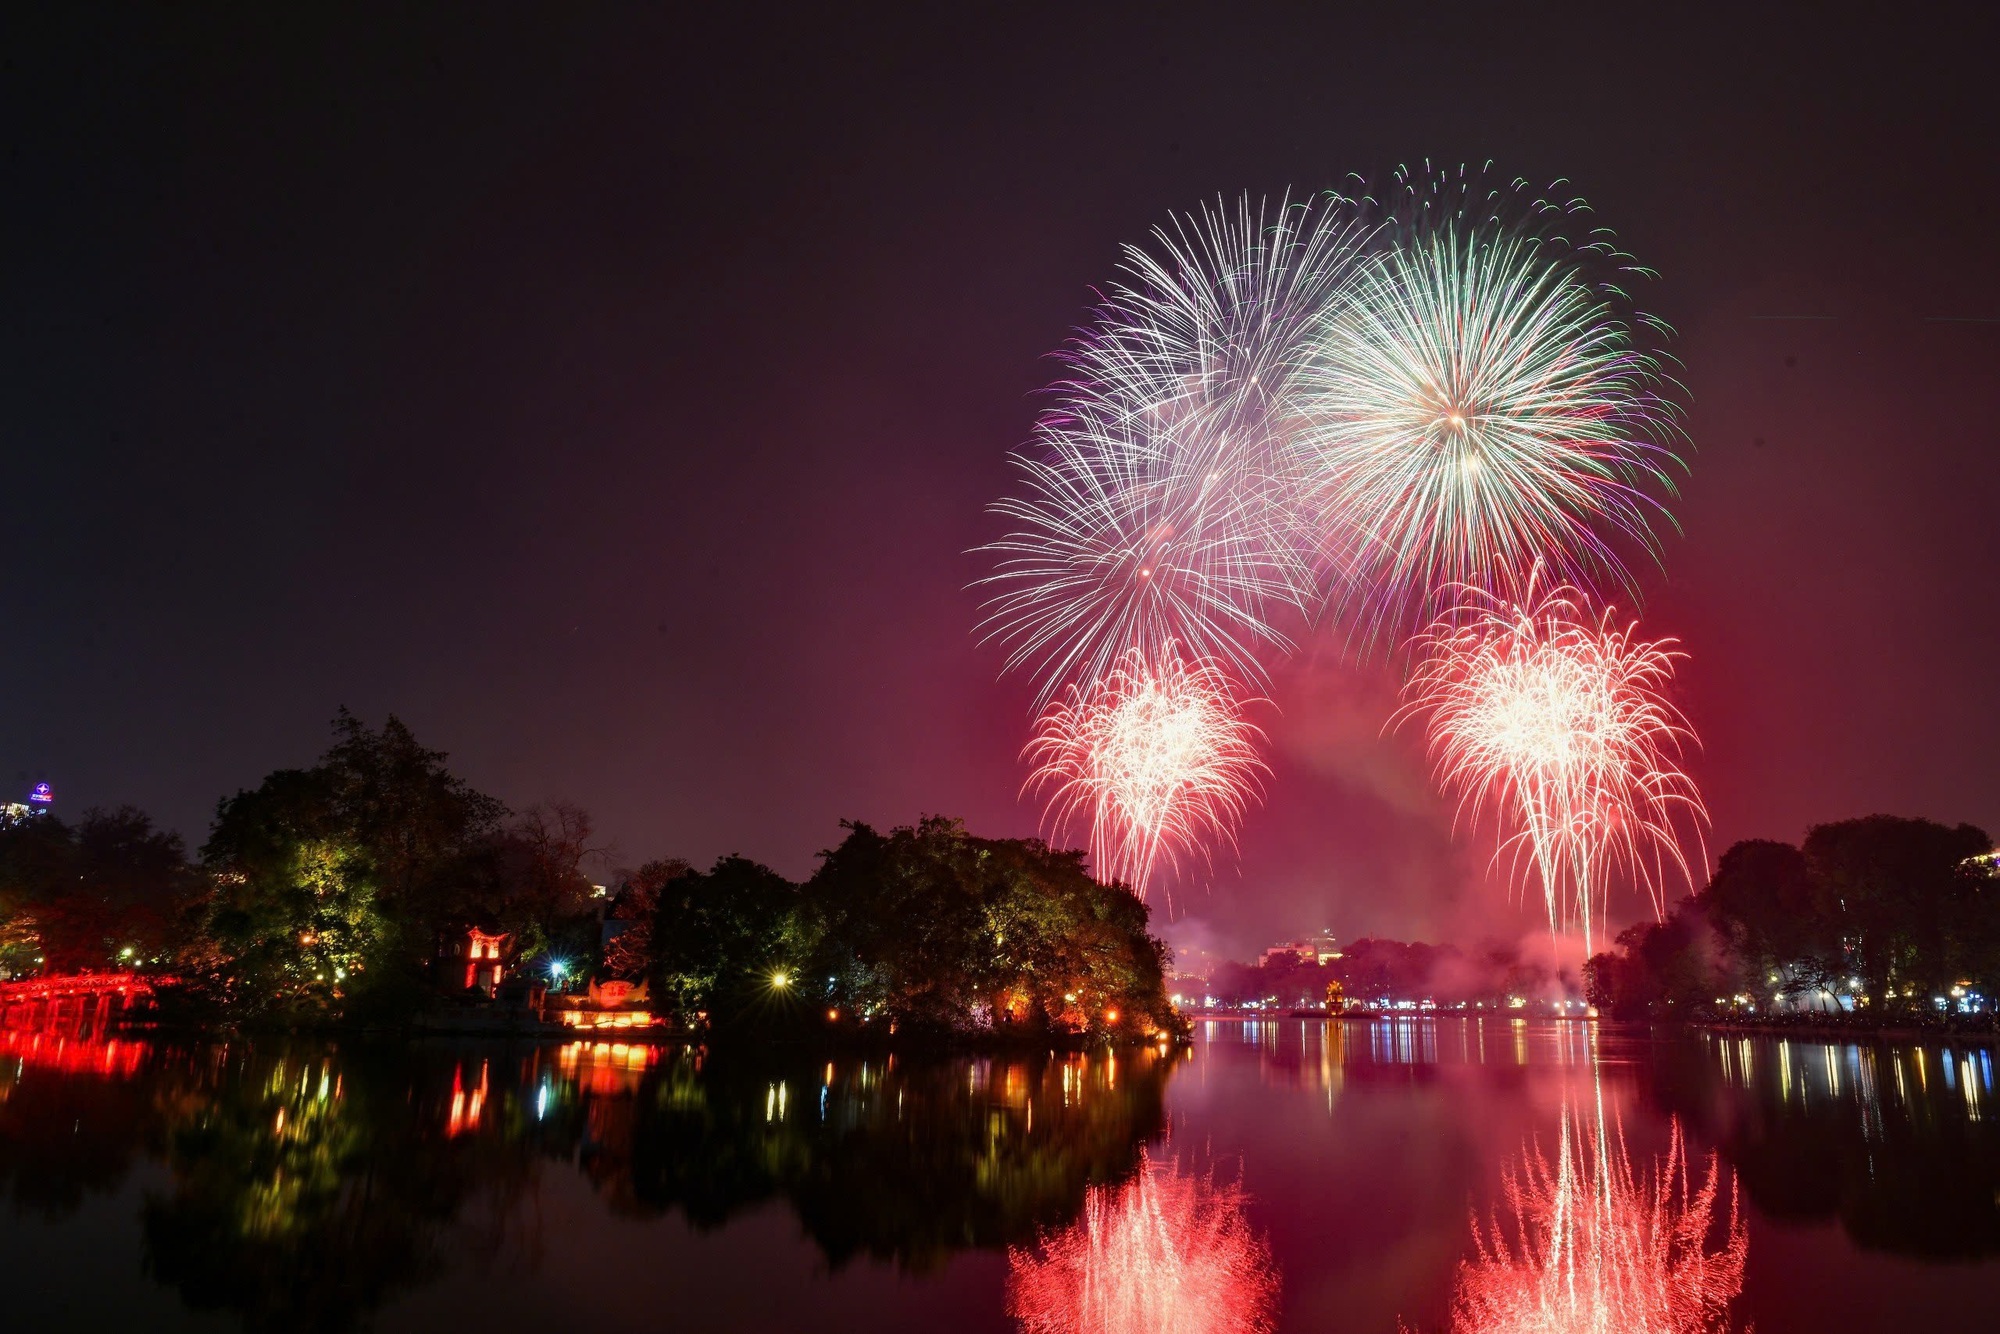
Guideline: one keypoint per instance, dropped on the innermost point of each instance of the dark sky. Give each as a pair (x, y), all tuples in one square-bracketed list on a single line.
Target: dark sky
[(613, 395)]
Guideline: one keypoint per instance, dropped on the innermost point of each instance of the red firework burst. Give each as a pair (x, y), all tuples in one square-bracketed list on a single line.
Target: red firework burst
[(1156, 755)]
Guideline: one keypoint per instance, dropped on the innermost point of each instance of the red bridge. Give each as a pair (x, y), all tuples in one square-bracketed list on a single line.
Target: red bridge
[(86, 999)]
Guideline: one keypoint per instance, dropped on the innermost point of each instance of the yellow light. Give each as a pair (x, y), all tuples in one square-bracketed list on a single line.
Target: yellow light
[(781, 980)]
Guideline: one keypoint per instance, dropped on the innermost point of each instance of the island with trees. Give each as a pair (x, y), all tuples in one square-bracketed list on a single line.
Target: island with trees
[(344, 893)]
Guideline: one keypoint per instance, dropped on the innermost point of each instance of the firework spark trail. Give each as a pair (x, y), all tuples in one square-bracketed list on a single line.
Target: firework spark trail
[(1475, 404), (1558, 722), (1154, 508), (1155, 755), (1169, 1252), (1595, 1247)]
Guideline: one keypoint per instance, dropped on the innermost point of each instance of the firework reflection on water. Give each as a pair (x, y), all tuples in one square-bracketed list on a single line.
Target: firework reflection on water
[(1168, 1252), (1590, 1244)]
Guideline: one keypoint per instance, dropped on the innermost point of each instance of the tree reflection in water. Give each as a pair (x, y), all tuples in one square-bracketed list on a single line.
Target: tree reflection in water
[(306, 1184), (1593, 1245), (1168, 1252), (1899, 1142), (902, 1161)]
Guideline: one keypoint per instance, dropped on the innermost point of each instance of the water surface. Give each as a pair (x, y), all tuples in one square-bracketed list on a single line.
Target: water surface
[(1299, 1175)]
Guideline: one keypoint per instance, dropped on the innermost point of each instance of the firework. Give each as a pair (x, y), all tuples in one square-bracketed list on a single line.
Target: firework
[(1558, 723), (1596, 1247), (1477, 403), (1155, 755), (1169, 1252), (1152, 508)]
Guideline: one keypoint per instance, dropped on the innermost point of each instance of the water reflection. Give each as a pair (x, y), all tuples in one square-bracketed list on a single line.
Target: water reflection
[(1168, 1252), (307, 1185), (1899, 1143), (1589, 1243)]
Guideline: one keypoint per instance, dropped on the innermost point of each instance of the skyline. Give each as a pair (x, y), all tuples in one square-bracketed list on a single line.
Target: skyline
[(624, 422)]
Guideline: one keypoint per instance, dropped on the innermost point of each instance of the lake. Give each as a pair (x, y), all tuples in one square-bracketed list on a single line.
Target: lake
[(1422, 1174)]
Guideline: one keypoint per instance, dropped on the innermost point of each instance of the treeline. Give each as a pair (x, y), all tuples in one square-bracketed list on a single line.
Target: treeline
[(1371, 971), (322, 892), (925, 928), (1895, 913), (325, 894)]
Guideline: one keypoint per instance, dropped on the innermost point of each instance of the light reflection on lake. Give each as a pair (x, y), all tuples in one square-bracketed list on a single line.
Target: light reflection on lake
[(1364, 1175)]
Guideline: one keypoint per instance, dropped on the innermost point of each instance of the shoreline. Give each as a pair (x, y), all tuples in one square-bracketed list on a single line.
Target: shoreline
[(1965, 1028)]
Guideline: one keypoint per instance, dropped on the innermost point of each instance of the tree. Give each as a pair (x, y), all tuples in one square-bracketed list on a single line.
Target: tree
[(1779, 920), (406, 816), (726, 942), (110, 892), (294, 914), (1909, 904), (530, 883), (332, 883), (635, 904), (934, 929), (924, 929)]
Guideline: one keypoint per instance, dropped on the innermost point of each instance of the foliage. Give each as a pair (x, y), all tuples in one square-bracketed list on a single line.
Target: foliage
[(331, 883), (726, 939), (1913, 914), (527, 881), (923, 929), (628, 953), (110, 891), (1892, 912)]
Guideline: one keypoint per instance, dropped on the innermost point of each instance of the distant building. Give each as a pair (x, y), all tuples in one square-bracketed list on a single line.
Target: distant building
[(41, 799), (1322, 948)]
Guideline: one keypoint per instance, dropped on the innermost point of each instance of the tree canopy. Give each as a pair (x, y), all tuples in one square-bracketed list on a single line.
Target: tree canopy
[(1893, 912), (925, 928)]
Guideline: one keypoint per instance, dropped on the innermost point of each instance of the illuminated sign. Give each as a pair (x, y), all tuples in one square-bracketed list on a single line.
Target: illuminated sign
[(42, 795)]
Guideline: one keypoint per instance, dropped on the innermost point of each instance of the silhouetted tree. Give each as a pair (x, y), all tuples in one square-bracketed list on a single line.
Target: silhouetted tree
[(111, 891), (1912, 913)]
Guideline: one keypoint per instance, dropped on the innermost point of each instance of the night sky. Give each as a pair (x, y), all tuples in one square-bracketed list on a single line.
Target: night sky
[(614, 396)]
